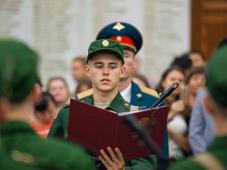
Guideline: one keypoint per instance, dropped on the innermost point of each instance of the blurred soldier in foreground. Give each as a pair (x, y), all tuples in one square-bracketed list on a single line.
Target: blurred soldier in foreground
[(19, 93)]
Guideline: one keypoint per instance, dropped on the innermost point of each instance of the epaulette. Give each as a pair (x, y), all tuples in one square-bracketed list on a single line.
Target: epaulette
[(84, 94), (149, 91)]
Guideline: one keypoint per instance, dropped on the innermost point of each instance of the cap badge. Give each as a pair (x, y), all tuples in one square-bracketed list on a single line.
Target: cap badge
[(105, 43), (118, 26), (119, 38)]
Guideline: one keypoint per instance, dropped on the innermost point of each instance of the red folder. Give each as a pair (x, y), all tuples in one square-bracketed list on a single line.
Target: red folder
[(96, 128)]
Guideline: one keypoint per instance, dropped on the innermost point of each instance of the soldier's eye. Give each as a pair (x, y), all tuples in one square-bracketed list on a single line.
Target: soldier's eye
[(98, 65), (113, 66)]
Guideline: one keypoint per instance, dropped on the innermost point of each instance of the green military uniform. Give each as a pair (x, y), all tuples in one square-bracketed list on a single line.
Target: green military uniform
[(18, 75), (9, 162), (216, 81), (60, 126), (19, 137)]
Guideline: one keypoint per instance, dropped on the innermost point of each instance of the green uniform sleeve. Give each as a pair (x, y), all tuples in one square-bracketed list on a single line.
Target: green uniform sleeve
[(60, 124), (143, 163)]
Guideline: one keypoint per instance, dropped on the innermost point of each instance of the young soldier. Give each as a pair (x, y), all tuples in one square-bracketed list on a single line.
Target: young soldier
[(105, 67), (19, 91)]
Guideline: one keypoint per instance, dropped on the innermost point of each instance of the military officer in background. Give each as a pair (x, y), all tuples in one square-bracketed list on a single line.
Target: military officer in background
[(131, 40), (215, 157), (18, 93)]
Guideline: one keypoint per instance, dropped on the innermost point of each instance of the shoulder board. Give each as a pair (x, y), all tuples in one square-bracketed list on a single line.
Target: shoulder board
[(84, 94), (149, 91)]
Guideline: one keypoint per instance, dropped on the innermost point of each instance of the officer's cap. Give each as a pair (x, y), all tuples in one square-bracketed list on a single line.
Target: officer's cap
[(126, 34), (105, 46)]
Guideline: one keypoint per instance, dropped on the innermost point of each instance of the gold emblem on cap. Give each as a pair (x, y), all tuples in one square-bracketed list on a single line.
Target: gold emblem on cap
[(119, 38), (118, 26), (105, 43)]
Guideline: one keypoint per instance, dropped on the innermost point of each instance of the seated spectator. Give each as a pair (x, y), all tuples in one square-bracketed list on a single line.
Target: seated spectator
[(201, 126), (194, 81), (44, 115), (58, 88), (177, 126), (183, 62), (197, 57), (78, 68)]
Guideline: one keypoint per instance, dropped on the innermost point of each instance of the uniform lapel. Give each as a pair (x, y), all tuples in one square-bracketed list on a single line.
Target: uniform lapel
[(136, 94), (119, 104)]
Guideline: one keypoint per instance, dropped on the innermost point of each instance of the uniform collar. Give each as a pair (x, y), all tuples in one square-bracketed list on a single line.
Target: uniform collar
[(118, 104), (12, 127), (126, 93)]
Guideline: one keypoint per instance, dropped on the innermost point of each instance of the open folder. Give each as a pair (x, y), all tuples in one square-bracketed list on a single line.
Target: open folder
[(96, 128)]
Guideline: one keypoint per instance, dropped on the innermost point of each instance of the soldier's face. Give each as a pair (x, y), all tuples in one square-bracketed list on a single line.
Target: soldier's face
[(104, 71), (130, 64)]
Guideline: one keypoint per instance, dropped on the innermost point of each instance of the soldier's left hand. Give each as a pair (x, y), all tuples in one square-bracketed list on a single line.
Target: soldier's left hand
[(113, 160)]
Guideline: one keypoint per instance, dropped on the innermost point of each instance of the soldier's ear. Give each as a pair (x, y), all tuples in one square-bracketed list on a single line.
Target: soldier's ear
[(87, 70), (122, 70)]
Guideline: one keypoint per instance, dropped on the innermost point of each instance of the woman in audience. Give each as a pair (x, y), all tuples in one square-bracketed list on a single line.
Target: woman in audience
[(44, 114), (194, 81), (177, 126), (58, 88)]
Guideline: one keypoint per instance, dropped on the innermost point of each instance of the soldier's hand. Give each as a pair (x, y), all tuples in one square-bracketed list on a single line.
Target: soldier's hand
[(113, 160)]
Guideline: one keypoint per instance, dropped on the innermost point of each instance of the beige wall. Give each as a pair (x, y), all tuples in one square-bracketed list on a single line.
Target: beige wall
[(60, 30)]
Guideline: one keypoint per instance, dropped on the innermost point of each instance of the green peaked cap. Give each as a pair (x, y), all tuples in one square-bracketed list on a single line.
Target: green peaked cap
[(105, 46), (18, 69)]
